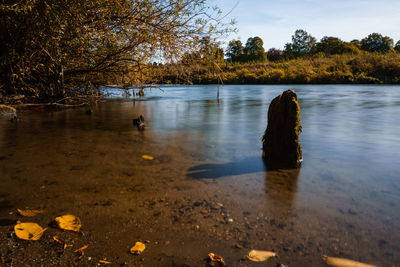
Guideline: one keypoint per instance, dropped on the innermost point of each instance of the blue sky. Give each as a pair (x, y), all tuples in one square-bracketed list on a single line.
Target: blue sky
[(276, 21)]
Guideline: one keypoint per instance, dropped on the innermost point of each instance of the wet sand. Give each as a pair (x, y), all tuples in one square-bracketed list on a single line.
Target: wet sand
[(192, 199)]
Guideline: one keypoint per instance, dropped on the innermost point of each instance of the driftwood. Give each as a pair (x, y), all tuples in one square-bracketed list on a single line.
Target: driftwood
[(134, 86), (281, 146), (69, 102)]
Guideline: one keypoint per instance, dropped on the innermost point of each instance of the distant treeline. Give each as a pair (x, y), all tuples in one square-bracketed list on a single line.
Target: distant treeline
[(374, 59), (366, 68), (305, 45)]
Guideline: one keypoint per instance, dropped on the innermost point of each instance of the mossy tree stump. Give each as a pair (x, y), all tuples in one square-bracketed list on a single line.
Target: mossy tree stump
[(281, 146)]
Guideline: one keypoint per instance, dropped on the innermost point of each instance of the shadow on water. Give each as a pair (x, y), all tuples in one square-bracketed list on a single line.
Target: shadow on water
[(241, 167)]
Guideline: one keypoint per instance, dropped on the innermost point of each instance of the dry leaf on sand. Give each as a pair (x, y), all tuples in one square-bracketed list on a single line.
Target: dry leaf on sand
[(138, 248), (260, 255), (339, 262), (30, 213), (29, 231), (69, 222), (216, 258)]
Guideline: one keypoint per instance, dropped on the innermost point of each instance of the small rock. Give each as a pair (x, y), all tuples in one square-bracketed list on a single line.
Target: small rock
[(157, 213), (238, 246), (107, 203), (352, 212), (382, 243), (139, 122), (15, 119), (197, 204)]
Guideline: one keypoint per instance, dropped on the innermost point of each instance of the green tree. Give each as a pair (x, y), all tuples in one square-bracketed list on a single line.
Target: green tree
[(334, 46), (274, 54), (397, 46), (375, 42), (356, 43), (210, 50), (51, 46), (254, 50), (235, 51), (302, 44)]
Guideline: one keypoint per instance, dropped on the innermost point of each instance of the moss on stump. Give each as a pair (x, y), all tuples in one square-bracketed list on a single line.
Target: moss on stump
[(281, 146)]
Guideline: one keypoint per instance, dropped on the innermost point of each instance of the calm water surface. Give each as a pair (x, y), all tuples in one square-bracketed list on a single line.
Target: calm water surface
[(344, 201)]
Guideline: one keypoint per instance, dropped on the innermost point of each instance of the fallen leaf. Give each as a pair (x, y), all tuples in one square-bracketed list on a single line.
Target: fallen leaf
[(30, 213), (216, 258), (260, 255), (58, 240), (82, 248), (69, 222), (138, 248), (147, 157), (339, 262), (29, 231), (104, 261)]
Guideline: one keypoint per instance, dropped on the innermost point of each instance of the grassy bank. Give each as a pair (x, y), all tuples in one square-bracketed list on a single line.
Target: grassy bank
[(365, 68)]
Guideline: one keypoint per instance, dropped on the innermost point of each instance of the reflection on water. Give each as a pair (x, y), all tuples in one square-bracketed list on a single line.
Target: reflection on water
[(343, 202), (281, 189)]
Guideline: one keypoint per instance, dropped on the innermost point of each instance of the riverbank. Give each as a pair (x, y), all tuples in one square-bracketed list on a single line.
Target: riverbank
[(364, 68)]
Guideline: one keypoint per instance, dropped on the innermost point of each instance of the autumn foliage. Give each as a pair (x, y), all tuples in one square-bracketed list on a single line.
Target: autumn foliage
[(51, 47)]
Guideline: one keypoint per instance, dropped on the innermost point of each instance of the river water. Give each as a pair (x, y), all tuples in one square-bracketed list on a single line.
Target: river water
[(207, 189)]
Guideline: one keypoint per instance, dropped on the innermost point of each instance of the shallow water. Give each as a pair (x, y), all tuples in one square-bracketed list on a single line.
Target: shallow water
[(207, 189)]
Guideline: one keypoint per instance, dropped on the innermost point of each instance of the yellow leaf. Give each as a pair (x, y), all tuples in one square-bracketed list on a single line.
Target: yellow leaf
[(69, 222), (29, 231), (147, 157), (339, 262), (82, 248), (260, 255), (30, 213), (138, 248), (104, 261)]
